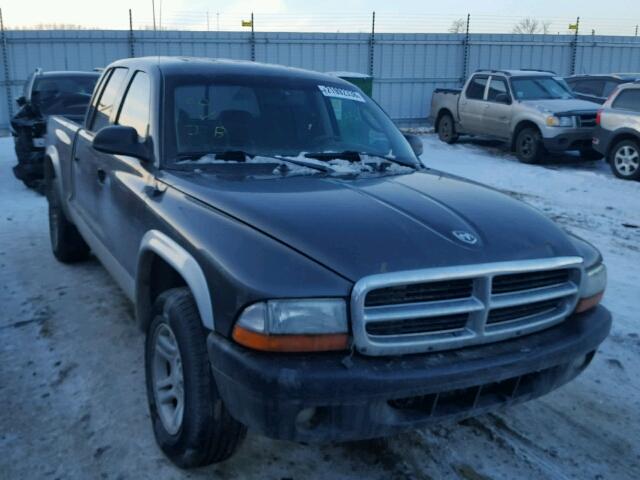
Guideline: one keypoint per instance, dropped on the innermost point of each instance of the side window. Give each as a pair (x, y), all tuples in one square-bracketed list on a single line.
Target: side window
[(609, 87), (628, 100), (496, 87), (135, 107), (107, 99), (590, 87), (475, 90)]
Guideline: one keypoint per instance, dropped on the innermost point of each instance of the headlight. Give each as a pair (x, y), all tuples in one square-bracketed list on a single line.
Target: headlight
[(553, 121), (294, 325), (593, 286)]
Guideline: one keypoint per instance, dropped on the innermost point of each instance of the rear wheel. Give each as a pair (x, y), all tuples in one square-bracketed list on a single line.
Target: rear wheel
[(625, 160), (529, 148), (446, 129), (191, 424), (67, 244)]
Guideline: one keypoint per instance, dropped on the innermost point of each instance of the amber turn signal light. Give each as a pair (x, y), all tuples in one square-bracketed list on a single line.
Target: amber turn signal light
[(587, 303), (290, 343)]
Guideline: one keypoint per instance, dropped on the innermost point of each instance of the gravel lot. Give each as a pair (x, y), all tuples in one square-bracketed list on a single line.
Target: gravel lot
[(71, 360)]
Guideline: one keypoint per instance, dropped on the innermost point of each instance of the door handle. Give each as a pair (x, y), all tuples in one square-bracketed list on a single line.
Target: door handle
[(102, 175)]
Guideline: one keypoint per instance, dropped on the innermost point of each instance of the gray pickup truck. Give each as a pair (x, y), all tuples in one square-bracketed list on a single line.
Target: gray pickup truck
[(297, 270), (534, 111)]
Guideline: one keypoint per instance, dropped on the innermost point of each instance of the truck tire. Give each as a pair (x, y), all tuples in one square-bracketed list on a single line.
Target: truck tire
[(624, 160), (191, 424), (67, 244), (529, 148), (446, 129)]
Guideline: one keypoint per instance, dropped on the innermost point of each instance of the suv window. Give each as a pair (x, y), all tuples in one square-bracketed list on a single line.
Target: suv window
[(592, 86), (609, 87), (135, 107), (107, 99), (496, 87), (628, 100), (476, 87)]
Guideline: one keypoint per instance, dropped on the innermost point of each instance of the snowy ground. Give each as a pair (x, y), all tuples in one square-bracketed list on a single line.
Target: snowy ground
[(71, 376)]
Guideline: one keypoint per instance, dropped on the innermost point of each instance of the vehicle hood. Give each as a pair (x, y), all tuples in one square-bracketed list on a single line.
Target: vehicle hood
[(363, 226), (559, 106)]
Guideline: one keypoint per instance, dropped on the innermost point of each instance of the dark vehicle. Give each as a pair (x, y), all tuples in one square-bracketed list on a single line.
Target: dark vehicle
[(618, 133), (46, 94), (598, 87), (298, 271)]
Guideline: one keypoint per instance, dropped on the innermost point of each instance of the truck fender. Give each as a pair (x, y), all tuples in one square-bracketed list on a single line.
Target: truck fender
[(51, 156), (184, 263)]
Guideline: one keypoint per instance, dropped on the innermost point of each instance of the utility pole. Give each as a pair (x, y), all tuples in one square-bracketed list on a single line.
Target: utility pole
[(372, 40), (160, 17), (253, 41), (5, 63), (153, 9), (465, 58), (636, 30), (131, 50), (574, 47)]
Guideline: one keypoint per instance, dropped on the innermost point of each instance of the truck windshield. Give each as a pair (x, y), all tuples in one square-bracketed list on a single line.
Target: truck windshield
[(276, 116), (539, 88), (63, 95)]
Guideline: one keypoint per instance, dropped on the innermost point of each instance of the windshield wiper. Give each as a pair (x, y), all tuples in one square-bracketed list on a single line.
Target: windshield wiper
[(241, 156), (353, 156)]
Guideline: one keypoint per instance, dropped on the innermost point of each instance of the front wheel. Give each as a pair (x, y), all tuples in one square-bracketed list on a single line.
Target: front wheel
[(191, 424), (446, 129), (529, 148), (625, 160)]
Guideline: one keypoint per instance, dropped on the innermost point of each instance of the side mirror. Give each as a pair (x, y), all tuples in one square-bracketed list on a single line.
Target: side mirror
[(503, 98), (121, 140), (415, 142), (21, 101)]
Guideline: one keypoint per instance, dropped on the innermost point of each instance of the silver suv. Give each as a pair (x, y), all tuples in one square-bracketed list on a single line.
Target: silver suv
[(534, 111), (617, 135)]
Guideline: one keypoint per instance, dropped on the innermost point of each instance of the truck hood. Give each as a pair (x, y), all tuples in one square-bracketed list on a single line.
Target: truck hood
[(559, 106), (358, 227)]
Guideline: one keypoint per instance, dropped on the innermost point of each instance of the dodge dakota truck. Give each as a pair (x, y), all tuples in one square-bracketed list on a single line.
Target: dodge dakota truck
[(534, 111), (295, 267)]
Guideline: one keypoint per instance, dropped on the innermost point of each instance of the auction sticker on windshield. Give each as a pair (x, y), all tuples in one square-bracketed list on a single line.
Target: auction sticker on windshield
[(336, 92)]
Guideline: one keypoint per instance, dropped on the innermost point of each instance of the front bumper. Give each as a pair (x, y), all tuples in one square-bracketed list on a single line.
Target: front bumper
[(568, 140), (361, 397)]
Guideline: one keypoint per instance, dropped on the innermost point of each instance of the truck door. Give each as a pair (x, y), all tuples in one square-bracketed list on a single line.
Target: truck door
[(472, 105), (497, 113), (87, 174), (127, 179)]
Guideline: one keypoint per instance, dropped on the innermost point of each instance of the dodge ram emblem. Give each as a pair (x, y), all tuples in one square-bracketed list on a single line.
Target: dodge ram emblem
[(465, 237)]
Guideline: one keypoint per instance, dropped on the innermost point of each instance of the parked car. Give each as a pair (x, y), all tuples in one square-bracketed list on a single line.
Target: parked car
[(45, 94), (598, 87), (618, 133), (298, 271), (532, 110)]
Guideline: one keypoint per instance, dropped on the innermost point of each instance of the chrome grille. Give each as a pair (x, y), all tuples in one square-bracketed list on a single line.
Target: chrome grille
[(451, 307)]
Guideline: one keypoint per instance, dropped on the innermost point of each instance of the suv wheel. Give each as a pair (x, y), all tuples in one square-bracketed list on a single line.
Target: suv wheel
[(446, 129), (529, 148), (190, 422), (67, 244), (625, 160)]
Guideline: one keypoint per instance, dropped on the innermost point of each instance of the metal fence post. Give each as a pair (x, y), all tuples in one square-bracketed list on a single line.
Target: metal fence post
[(132, 52), (465, 53), (253, 40), (5, 63), (372, 40), (574, 48)]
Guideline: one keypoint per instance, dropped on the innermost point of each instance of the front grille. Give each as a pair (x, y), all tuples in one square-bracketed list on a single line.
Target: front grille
[(587, 120), (507, 314), (528, 281), (452, 307), (418, 325), (420, 292)]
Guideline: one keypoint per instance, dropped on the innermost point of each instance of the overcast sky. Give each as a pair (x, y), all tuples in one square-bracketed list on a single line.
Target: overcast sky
[(326, 15)]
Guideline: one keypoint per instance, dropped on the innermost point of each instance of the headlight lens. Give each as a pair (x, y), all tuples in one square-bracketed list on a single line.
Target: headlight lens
[(294, 325), (592, 288), (553, 121)]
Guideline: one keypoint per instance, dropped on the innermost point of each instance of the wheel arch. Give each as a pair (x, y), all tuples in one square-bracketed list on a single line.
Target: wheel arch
[(163, 264), (621, 136), (441, 113), (521, 125)]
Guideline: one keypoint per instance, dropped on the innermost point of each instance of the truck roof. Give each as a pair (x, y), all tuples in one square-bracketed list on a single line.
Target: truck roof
[(196, 65), (525, 72)]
